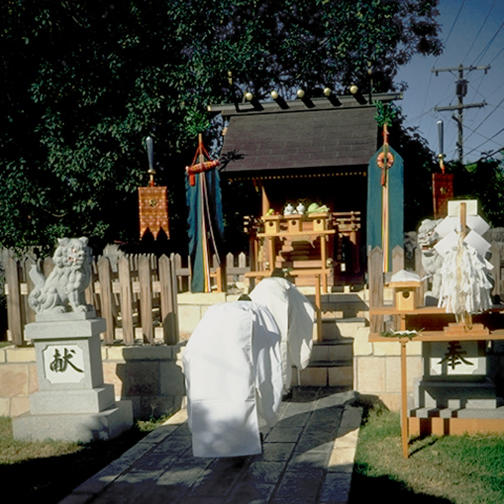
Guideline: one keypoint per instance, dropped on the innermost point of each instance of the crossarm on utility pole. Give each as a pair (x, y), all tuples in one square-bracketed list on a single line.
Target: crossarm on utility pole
[(460, 91)]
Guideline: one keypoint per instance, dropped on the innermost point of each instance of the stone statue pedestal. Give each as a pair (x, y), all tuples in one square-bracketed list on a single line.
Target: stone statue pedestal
[(72, 403)]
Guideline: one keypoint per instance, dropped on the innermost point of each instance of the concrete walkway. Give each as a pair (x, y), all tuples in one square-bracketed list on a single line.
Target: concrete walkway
[(307, 459)]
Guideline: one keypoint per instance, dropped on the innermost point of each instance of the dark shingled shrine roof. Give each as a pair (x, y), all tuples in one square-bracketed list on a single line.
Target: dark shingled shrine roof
[(299, 138)]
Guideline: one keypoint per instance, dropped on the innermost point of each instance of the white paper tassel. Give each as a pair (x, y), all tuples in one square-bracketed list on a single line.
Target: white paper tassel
[(465, 287)]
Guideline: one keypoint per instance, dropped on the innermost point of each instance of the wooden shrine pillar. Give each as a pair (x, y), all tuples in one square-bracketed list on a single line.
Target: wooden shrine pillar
[(265, 202)]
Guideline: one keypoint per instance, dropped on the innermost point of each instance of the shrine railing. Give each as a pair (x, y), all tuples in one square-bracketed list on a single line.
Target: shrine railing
[(136, 294)]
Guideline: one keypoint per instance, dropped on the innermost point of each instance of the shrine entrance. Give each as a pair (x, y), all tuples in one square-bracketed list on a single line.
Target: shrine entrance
[(326, 237)]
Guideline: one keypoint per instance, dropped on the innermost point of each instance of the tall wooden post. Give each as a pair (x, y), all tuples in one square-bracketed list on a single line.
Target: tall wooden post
[(265, 202)]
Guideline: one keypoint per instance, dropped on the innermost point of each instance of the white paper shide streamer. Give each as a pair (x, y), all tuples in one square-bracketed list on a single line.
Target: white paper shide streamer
[(465, 285)]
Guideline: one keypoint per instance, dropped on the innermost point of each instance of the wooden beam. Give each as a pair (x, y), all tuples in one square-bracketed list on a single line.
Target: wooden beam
[(272, 107), (264, 200)]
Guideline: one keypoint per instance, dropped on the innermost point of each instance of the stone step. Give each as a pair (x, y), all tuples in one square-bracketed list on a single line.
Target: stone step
[(342, 305), (497, 412), (334, 350), (326, 374), (342, 314), (457, 395), (336, 329)]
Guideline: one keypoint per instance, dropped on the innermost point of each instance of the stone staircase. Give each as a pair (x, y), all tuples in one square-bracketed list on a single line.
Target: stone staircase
[(331, 363)]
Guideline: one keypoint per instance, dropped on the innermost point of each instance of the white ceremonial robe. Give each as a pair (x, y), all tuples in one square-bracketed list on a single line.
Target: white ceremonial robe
[(233, 379), (295, 316)]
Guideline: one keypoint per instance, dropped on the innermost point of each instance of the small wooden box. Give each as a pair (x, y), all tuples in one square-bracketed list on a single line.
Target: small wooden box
[(319, 221), (406, 296), (294, 224), (271, 225)]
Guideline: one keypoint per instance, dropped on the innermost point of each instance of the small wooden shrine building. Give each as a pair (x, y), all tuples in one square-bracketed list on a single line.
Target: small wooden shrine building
[(305, 151)]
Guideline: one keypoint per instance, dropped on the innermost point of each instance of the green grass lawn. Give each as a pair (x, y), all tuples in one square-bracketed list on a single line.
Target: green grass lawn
[(46, 471), (442, 470)]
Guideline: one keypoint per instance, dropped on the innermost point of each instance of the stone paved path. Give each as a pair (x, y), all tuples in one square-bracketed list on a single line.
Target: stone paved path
[(307, 459)]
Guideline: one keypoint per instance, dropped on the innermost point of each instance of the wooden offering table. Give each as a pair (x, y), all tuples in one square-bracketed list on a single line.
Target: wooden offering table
[(278, 228), (433, 324)]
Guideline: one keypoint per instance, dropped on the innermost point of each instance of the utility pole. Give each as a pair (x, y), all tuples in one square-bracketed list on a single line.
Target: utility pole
[(461, 91)]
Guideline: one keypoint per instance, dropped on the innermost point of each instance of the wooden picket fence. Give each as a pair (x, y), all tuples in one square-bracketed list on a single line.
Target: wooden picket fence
[(135, 294)]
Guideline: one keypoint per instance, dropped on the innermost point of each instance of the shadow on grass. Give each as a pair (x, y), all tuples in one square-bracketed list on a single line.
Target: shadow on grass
[(387, 489), (50, 479), (419, 443)]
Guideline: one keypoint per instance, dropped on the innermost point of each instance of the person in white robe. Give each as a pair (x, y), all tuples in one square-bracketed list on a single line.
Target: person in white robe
[(295, 317), (233, 379)]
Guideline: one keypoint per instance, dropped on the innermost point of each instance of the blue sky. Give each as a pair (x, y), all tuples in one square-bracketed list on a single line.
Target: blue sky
[(473, 34)]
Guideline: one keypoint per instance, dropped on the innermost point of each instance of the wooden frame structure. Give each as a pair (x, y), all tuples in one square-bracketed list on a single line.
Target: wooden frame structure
[(446, 331)]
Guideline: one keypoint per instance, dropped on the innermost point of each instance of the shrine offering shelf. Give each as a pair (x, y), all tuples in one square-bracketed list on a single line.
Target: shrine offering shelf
[(422, 310), (462, 335), (406, 318)]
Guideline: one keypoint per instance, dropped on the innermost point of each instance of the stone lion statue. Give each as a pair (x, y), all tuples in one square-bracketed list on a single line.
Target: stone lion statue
[(431, 260), (63, 290)]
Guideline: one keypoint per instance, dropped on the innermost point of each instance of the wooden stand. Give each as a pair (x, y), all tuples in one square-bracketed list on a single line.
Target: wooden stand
[(315, 226), (449, 332)]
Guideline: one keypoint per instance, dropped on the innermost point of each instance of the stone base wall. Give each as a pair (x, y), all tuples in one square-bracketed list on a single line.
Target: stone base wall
[(192, 307), (377, 369), (151, 377)]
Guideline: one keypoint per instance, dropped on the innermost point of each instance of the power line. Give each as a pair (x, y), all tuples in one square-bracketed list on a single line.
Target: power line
[(491, 61), (481, 28), (486, 141), (430, 109), (454, 21), (488, 44), (497, 55), (476, 132), (487, 116), (437, 57), (491, 153)]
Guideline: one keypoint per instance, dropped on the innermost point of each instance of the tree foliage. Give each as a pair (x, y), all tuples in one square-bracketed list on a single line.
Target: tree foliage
[(484, 181), (83, 83)]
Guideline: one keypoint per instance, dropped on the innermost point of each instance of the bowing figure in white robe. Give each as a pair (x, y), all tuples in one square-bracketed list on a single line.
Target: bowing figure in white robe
[(233, 379), (295, 317)]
